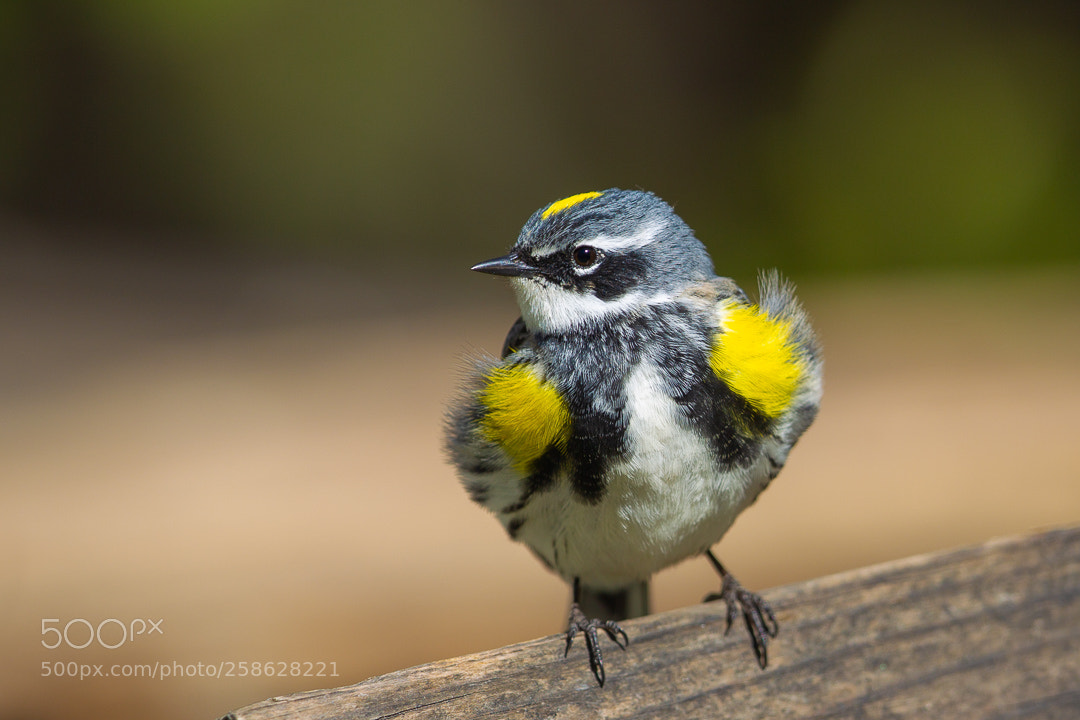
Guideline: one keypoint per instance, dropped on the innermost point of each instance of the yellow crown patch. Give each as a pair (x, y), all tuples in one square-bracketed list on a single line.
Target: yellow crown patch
[(560, 205)]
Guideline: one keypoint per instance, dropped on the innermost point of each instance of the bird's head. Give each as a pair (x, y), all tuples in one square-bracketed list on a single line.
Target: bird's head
[(596, 255)]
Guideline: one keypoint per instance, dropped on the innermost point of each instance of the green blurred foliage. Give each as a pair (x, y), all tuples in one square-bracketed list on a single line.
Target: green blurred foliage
[(930, 135), (826, 137)]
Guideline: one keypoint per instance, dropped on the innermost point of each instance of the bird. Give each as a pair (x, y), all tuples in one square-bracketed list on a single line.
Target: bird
[(639, 404)]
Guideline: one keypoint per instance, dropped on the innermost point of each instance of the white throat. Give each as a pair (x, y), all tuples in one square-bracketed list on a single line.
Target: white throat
[(549, 308)]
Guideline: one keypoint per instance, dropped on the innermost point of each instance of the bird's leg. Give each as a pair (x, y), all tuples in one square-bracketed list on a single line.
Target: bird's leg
[(589, 626), (759, 618)]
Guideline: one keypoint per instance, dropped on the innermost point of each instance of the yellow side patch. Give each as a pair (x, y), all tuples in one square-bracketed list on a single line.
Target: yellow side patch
[(754, 357), (525, 415), (559, 206)]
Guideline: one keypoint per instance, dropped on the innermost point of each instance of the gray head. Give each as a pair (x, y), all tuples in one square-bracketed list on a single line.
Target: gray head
[(597, 254)]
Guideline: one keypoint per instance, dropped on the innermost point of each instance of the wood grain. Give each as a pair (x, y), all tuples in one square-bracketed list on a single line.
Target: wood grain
[(991, 631)]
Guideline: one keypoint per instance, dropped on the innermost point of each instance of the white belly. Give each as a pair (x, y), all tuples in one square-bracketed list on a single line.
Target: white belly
[(666, 502)]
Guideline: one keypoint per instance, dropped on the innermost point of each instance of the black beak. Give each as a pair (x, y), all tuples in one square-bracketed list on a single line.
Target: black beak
[(509, 266)]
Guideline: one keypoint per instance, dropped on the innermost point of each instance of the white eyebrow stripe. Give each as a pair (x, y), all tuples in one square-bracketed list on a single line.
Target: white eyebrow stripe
[(645, 235), (545, 250), (640, 239)]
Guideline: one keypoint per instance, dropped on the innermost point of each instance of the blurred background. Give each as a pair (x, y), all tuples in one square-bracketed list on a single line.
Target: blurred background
[(234, 300)]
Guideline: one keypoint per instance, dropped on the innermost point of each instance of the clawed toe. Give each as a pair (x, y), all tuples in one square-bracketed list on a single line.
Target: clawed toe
[(590, 627), (759, 618)]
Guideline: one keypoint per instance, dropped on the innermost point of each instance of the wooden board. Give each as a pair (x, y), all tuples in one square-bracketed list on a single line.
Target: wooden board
[(991, 632)]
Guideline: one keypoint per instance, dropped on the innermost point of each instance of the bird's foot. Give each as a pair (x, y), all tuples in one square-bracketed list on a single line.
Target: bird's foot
[(756, 613), (589, 627)]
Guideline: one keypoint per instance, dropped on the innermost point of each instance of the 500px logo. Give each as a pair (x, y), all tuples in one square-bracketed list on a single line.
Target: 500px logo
[(110, 633)]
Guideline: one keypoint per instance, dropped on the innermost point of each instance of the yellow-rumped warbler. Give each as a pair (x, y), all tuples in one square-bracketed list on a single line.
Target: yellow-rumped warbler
[(641, 403)]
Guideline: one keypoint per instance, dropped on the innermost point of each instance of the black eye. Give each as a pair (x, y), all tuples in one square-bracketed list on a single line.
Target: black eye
[(585, 256)]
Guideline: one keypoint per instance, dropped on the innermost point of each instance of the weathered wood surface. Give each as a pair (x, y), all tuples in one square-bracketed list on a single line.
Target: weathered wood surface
[(986, 632)]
